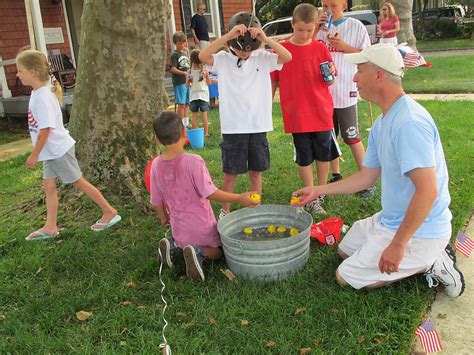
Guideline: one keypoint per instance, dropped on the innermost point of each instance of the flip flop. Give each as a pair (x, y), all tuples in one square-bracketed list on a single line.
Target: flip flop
[(103, 226), (39, 235)]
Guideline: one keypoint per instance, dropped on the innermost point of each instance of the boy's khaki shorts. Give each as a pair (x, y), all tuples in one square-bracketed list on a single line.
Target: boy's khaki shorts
[(365, 242)]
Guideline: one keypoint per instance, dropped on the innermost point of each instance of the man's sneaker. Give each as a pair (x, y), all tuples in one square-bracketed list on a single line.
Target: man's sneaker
[(335, 177), (368, 194), (451, 253), (223, 213), (444, 271), (193, 258), (168, 251), (315, 206)]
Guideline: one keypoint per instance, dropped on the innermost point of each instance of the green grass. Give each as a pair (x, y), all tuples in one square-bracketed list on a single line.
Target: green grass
[(444, 44), (447, 75), (44, 284), (7, 136)]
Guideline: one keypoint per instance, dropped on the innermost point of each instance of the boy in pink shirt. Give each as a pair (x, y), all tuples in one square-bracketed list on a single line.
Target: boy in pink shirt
[(182, 182)]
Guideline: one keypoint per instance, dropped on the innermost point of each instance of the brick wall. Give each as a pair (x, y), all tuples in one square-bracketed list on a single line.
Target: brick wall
[(14, 32)]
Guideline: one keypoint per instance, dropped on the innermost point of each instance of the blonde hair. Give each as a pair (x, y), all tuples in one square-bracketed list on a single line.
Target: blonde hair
[(391, 10), (307, 13), (35, 60)]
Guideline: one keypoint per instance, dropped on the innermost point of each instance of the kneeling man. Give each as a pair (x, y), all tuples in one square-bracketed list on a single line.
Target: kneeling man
[(412, 232)]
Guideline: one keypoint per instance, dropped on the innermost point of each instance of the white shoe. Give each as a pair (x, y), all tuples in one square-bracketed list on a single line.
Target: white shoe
[(315, 207), (223, 213), (444, 271)]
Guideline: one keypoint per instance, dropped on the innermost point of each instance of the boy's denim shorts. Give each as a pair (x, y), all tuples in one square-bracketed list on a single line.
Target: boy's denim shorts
[(244, 152), (181, 94), (198, 105)]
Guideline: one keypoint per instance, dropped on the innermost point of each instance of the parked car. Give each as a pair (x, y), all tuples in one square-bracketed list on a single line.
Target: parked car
[(453, 14), (280, 29)]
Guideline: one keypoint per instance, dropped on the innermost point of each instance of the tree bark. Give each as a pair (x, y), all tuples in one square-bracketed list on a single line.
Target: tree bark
[(119, 90), (403, 9)]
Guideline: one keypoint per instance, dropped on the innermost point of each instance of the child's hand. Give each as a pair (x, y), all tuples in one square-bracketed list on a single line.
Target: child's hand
[(338, 43), (257, 33), (237, 31), (323, 18), (246, 201), (31, 161), (332, 68), (306, 195)]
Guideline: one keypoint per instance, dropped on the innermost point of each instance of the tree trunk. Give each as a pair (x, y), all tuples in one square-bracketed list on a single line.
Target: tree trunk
[(403, 9), (119, 90)]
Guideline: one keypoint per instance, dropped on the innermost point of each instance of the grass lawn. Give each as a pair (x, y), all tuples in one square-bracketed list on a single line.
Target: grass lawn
[(447, 75), (444, 44), (114, 275), (12, 132)]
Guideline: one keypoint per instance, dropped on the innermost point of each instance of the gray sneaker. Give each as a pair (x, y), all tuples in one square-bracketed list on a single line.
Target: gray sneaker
[(193, 258), (368, 194), (168, 251), (223, 213), (444, 271), (315, 206)]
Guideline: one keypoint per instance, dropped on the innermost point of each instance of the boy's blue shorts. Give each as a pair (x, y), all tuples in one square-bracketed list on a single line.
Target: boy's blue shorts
[(181, 94)]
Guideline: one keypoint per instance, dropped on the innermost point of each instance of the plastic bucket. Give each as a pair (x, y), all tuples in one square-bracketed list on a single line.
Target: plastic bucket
[(196, 137)]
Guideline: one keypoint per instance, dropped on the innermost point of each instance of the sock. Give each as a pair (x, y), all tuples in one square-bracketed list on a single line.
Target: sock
[(336, 175), (185, 121)]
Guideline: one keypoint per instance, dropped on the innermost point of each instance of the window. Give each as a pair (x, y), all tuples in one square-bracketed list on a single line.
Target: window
[(189, 8)]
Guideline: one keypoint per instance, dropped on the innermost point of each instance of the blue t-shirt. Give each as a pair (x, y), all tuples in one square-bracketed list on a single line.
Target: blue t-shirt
[(404, 139)]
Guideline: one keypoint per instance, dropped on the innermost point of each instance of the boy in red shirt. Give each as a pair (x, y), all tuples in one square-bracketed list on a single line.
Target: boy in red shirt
[(306, 102)]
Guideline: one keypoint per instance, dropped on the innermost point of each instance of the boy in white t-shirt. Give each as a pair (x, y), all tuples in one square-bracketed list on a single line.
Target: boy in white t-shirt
[(245, 98)]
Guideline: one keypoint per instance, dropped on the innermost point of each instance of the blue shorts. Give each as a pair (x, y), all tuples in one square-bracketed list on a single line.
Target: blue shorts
[(198, 105), (181, 94)]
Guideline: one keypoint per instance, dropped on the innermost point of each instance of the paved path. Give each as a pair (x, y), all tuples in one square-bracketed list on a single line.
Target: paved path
[(14, 149), (447, 53)]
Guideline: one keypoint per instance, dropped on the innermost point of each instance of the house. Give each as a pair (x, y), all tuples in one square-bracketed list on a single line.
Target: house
[(54, 27)]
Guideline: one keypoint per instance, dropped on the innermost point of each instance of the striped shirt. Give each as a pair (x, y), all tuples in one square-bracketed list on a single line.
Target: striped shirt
[(354, 33)]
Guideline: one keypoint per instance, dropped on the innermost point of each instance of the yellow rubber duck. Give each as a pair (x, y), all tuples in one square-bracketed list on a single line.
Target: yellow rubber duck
[(271, 229), (248, 231), (281, 229), (294, 199), (255, 197), (294, 231)]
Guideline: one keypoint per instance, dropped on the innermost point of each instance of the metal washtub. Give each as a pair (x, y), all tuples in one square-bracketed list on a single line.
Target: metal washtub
[(266, 259)]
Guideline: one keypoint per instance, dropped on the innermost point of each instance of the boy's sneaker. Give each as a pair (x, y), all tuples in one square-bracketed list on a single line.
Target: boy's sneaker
[(223, 213), (444, 271), (335, 177), (193, 258), (168, 251), (315, 206), (368, 194)]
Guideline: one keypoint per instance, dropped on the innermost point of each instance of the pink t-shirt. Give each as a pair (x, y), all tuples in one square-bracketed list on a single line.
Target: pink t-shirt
[(388, 24), (184, 184)]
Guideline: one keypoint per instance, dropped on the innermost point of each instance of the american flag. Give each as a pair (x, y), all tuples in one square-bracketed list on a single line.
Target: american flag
[(429, 337), (413, 59), (464, 244)]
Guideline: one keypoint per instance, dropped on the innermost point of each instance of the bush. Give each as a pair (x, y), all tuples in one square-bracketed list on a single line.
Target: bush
[(445, 29)]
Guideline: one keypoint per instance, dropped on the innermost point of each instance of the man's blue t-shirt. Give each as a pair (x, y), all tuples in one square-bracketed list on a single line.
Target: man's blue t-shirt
[(199, 24), (404, 139)]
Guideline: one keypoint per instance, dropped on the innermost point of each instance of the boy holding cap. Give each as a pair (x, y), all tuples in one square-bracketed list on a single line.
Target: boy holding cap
[(412, 232)]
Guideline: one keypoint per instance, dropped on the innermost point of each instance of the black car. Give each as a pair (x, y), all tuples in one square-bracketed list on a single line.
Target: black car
[(437, 18)]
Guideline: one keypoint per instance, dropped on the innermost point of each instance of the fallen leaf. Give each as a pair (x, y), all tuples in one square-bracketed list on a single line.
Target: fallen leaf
[(83, 315), (125, 303), (317, 342), (361, 339), (244, 323), (189, 325), (2, 317), (141, 306), (123, 343), (59, 241), (191, 303), (68, 319), (441, 316), (230, 276), (299, 310), (377, 341), (124, 330), (181, 314), (39, 270), (299, 325), (212, 321), (132, 284), (270, 344), (334, 311), (305, 350)]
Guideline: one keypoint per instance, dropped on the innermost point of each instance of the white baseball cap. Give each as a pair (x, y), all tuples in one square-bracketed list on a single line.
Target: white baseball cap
[(383, 55)]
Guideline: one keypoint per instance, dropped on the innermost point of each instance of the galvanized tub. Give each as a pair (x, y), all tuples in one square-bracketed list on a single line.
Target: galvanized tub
[(265, 260)]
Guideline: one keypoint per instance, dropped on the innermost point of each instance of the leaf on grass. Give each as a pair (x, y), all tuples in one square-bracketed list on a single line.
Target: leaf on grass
[(39, 270), (299, 310), (68, 319), (317, 342), (270, 344), (334, 311), (181, 314), (377, 341), (83, 315), (59, 241), (141, 306), (212, 321), (299, 325), (124, 330), (361, 339), (441, 316), (2, 317), (123, 343), (230, 276), (132, 284), (189, 325), (244, 323), (125, 303), (305, 350)]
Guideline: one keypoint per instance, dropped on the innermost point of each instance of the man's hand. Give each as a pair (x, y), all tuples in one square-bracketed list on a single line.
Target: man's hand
[(306, 195), (391, 258), (31, 161)]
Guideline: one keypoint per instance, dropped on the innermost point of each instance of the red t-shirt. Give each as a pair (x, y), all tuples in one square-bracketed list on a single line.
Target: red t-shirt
[(305, 98), (388, 24)]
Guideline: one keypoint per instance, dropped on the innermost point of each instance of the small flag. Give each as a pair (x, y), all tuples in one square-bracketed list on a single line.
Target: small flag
[(464, 244), (429, 337)]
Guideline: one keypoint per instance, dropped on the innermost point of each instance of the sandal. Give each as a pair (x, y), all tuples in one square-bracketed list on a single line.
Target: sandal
[(39, 235)]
